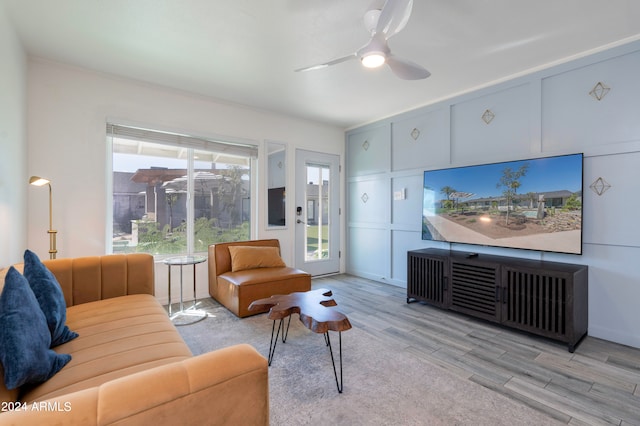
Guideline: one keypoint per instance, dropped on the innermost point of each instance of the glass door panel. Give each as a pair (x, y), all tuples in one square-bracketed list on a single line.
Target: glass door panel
[(317, 213), (317, 239)]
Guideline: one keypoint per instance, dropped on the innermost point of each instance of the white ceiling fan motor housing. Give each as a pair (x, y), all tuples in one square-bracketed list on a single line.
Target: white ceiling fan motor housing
[(371, 20)]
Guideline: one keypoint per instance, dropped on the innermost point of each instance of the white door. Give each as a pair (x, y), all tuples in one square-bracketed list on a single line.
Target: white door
[(317, 212)]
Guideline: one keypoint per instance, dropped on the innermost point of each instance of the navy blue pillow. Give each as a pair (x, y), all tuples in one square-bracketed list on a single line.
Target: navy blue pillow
[(50, 297), (24, 336)]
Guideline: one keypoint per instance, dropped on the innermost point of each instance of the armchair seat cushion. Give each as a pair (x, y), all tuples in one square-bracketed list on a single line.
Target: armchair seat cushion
[(250, 277)]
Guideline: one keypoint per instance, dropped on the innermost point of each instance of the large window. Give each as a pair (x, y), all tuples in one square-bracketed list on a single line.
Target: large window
[(175, 193)]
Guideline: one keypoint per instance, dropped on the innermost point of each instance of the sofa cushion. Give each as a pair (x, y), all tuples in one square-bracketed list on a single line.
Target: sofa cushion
[(117, 337), (24, 336), (50, 298), (249, 257)]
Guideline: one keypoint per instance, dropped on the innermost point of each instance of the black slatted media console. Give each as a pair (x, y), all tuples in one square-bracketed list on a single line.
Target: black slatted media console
[(549, 299)]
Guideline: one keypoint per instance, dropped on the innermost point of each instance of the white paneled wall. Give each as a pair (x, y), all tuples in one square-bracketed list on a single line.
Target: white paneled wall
[(547, 113), (370, 257), (420, 139), (371, 203), (572, 119), (505, 137), (369, 151), (610, 218), (406, 212)]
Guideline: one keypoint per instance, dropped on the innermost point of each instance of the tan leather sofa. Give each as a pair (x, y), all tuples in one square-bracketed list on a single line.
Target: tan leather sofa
[(236, 290), (130, 366)]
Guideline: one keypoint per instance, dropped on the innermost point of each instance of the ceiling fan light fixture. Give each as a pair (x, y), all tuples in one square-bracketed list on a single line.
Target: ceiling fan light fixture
[(383, 20), (373, 59)]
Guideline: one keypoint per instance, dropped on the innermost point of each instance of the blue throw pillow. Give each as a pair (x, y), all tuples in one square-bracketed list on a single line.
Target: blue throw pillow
[(24, 336), (50, 297)]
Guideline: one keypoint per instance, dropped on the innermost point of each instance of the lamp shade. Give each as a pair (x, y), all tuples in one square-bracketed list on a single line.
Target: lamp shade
[(38, 181)]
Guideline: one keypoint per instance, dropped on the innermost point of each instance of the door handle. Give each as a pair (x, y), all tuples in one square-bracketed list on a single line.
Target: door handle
[(299, 221)]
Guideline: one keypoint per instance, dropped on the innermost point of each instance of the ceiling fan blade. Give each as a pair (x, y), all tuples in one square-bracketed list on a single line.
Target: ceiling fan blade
[(327, 64), (394, 17), (407, 70)]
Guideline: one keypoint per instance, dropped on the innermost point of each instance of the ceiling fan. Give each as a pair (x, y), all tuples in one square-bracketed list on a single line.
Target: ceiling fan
[(383, 21)]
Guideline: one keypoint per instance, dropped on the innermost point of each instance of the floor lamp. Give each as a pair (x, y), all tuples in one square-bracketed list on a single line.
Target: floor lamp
[(38, 181)]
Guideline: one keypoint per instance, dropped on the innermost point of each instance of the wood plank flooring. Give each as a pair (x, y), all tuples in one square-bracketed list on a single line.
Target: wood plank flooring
[(598, 384)]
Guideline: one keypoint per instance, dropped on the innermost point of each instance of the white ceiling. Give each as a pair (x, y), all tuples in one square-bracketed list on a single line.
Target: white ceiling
[(245, 51)]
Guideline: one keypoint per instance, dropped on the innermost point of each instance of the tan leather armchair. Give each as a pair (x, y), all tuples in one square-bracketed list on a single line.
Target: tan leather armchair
[(236, 290)]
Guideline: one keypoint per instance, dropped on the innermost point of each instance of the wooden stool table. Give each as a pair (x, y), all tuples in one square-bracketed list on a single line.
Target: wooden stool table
[(317, 313)]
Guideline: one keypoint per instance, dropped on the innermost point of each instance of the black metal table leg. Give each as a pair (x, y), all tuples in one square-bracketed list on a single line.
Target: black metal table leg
[(340, 383), (273, 342), (286, 333)]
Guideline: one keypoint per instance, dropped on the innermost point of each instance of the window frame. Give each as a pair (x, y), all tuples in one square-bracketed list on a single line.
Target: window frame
[(203, 143)]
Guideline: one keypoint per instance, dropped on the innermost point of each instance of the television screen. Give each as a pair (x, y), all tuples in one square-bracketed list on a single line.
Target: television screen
[(533, 204)]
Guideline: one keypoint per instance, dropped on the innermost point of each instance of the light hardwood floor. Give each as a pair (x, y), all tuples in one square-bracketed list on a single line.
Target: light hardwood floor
[(597, 384)]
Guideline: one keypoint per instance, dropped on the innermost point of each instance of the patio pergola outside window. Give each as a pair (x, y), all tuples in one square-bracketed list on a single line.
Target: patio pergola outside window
[(177, 194)]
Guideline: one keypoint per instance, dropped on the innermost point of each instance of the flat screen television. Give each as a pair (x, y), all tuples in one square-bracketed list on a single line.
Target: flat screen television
[(533, 204)]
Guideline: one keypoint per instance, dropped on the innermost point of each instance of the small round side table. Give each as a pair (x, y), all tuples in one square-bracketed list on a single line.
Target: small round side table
[(182, 261)]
